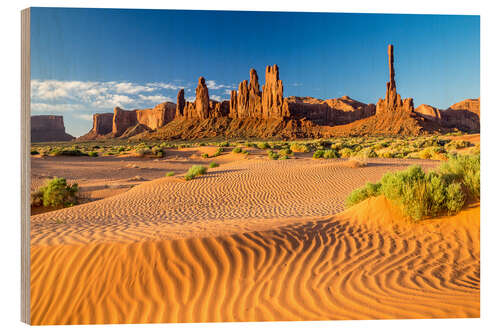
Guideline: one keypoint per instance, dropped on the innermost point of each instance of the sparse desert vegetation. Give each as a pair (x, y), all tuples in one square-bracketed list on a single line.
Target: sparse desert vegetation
[(428, 194), (56, 193), (194, 171)]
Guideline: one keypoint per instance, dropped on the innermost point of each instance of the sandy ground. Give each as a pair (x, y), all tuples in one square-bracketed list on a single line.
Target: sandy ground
[(254, 239)]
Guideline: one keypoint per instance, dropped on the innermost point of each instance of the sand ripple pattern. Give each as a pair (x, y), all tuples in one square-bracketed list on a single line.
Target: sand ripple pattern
[(232, 198), (321, 269)]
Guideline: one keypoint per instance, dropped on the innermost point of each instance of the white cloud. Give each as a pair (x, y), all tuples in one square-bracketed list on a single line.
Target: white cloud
[(216, 98), (211, 84), (84, 116), (156, 98), (47, 107), (67, 96)]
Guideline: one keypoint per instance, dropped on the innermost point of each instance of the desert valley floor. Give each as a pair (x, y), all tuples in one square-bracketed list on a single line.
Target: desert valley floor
[(253, 239)]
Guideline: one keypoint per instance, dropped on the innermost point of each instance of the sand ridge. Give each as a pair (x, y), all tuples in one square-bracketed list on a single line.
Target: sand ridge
[(235, 197), (321, 269)]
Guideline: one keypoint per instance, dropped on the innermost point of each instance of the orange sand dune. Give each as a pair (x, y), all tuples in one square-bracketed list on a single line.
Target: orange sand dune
[(247, 195), (252, 240), (335, 268)]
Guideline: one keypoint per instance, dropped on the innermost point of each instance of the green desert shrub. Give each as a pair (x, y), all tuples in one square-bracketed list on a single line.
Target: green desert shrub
[(169, 174), (224, 144), (237, 150), (319, 153), (346, 152), (421, 194), (141, 152), (272, 155), (213, 165), (263, 145), (331, 153), (195, 170), (218, 152), (458, 144), (299, 148), (363, 193), (93, 154), (204, 155), (56, 193), (285, 151), (67, 152), (283, 157), (367, 153)]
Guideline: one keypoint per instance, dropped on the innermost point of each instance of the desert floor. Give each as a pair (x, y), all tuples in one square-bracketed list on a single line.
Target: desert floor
[(253, 239)]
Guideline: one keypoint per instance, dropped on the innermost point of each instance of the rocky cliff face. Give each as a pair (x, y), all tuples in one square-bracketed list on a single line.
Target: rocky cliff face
[(158, 116), (102, 126), (330, 112), (124, 123), (428, 112), (463, 115), (48, 128)]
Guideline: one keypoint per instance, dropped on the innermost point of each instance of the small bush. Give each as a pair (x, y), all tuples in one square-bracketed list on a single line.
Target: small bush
[(195, 170), (204, 155), (213, 165), (237, 150), (224, 144), (218, 152), (346, 152), (319, 153), (285, 151), (56, 193), (458, 144), (169, 174), (283, 157), (141, 152), (299, 148), (263, 145), (272, 155), (330, 153), (356, 162), (93, 154)]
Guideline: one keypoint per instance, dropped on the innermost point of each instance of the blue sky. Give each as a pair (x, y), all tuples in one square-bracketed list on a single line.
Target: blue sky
[(85, 61)]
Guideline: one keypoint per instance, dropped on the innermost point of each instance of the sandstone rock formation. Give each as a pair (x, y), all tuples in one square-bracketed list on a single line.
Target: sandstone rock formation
[(102, 126), (181, 102), (158, 116), (330, 112), (272, 95), (392, 102), (464, 115), (122, 120), (429, 112), (124, 123), (48, 128)]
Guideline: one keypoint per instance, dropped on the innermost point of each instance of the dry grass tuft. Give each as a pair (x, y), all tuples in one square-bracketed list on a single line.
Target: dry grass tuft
[(356, 162)]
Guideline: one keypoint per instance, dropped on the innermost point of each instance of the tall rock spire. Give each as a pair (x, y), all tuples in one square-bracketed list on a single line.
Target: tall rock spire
[(392, 101)]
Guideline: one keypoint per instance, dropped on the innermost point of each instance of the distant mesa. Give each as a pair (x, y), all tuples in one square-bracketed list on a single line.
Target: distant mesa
[(464, 115), (48, 128), (255, 112), (123, 123)]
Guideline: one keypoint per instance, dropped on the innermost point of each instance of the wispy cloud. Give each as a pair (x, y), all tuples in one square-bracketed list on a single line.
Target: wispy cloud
[(67, 96), (211, 84)]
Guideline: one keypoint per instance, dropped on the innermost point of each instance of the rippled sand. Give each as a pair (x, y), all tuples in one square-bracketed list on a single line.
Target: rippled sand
[(252, 240)]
